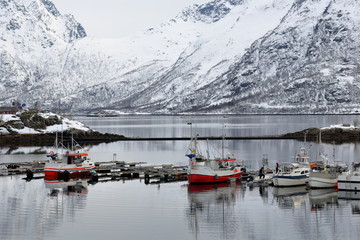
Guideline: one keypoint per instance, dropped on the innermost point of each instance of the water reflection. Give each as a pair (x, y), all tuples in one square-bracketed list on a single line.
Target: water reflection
[(212, 206), (352, 198), (236, 125), (323, 198), (30, 211), (76, 187), (289, 197), (133, 210)]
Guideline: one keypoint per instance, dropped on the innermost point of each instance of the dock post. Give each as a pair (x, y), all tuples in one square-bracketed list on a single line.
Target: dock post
[(147, 178)]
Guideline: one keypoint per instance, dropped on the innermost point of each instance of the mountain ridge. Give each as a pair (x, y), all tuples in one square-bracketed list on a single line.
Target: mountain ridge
[(227, 56)]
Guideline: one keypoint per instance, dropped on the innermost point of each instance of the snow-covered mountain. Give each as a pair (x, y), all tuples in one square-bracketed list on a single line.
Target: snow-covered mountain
[(229, 56)]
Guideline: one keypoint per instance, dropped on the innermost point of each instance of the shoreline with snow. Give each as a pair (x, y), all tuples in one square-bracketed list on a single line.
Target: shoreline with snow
[(36, 128), (340, 133)]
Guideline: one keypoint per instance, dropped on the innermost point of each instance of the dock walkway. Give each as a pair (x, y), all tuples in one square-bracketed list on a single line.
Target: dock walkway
[(106, 170)]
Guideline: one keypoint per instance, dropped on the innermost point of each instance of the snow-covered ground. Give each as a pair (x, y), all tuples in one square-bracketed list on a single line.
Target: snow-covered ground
[(342, 126), (65, 125)]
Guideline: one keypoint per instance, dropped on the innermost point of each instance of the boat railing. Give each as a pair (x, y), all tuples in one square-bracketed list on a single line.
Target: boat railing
[(286, 168)]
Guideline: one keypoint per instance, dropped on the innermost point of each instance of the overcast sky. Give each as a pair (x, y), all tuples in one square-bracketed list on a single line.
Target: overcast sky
[(118, 18)]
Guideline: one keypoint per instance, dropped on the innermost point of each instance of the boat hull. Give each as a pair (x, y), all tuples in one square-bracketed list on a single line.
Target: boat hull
[(349, 183), (205, 175), (290, 181), (315, 182), (323, 180), (198, 178), (54, 173)]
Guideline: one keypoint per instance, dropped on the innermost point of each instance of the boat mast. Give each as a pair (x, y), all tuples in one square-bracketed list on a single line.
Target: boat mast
[(222, 142), (191, 135), (207, 148), (305, 152), (334, 153), (72, 142), (193, 140), (323, 157), (56, 140)]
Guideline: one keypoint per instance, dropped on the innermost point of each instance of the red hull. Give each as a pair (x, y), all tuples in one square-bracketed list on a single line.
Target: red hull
[(197, 178)]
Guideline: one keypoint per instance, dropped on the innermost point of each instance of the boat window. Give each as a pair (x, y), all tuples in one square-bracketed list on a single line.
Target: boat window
[(296, 171), (306, 171), (302, 172)]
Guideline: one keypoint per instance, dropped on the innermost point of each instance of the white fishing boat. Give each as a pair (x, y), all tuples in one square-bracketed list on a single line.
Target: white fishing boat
[(293, 174), (322, 174), (323, 178), (72, 164), (350, 180), (210, 170)]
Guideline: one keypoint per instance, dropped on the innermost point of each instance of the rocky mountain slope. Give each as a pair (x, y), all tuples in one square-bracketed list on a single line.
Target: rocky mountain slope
[(226, 56)]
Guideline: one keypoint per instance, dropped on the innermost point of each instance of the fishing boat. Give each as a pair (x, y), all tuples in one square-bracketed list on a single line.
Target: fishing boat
[(323, 178), (323, 174), (210, 170), (72, 164), (350, 180), (293, 174)]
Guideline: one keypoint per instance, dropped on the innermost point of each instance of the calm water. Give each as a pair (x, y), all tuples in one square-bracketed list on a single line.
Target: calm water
[(133, 210)]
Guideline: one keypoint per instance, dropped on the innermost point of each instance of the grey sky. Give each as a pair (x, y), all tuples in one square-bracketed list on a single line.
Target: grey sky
[(117, 18)]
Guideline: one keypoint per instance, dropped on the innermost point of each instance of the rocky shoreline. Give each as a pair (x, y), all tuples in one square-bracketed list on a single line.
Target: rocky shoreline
[(40, 128), (48, 139), (328, 135)]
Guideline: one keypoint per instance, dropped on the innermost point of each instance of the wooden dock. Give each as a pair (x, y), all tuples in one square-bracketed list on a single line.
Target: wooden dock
[(105, 171), (122, 170)]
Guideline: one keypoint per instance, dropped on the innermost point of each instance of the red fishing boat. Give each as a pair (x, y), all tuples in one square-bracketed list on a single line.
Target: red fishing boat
[(70, 165), (206, 170)]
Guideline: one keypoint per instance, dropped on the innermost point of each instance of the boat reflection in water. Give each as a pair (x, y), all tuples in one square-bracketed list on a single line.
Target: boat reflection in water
[(289, 197), (72, 187), (322, 198), (212, 206)]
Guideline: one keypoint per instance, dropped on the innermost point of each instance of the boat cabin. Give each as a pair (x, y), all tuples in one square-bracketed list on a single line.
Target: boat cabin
[(302, 157), (76, 158)]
